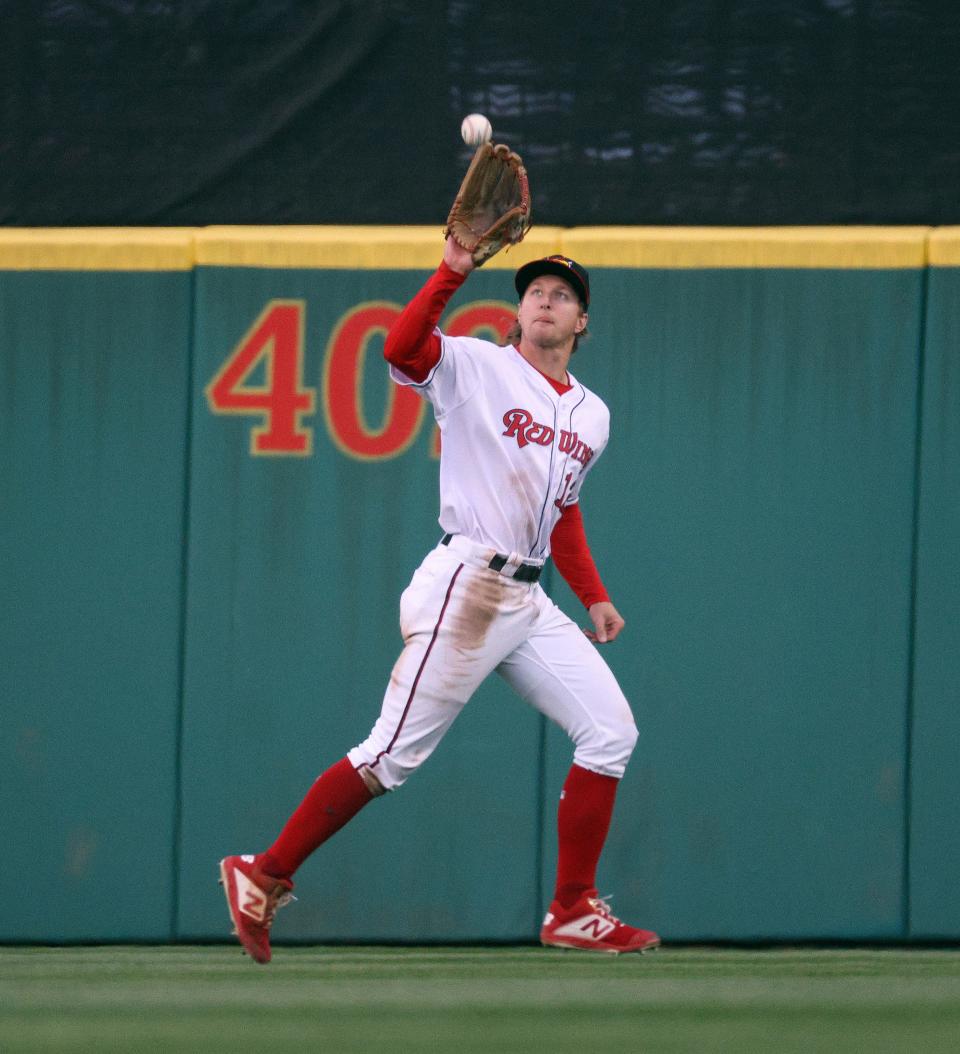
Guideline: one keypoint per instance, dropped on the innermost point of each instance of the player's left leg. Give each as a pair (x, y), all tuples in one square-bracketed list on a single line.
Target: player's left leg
[(562, 674)]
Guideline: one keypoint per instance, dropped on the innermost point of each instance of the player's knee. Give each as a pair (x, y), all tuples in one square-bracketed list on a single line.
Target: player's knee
[(372, 781), (390, 773), (608, 748), (631, 735), (623, 739)]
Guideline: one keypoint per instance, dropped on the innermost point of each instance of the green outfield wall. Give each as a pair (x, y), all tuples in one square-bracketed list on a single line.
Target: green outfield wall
[(213, 498), (94, 390), (934, 702)]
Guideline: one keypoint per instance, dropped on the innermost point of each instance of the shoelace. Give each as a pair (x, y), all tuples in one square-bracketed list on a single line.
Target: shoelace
[(279, 898), (600, 905)]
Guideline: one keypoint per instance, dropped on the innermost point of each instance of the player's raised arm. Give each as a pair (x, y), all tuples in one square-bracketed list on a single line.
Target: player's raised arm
[(491, 210), (457, 258), (412, 345)]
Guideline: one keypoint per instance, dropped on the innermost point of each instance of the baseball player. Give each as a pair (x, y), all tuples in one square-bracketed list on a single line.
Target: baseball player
[(519, 435)]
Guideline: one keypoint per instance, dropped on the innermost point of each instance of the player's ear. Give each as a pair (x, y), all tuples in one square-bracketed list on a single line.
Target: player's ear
[(582, 322)]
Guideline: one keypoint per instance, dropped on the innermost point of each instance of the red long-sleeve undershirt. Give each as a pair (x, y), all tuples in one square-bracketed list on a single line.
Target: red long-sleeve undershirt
[(573, 559), (413, 347)]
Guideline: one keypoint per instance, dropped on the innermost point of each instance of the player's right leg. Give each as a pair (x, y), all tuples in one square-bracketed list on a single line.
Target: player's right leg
[(253, 898), (255, 886), (458, 621)]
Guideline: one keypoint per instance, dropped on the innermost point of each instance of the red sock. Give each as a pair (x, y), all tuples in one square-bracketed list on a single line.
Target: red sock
[(334, 799), (583, 819)]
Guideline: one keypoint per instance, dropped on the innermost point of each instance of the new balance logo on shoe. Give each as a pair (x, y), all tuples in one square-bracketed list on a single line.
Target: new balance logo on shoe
[(251, 899), (586, 927), (600, 927)]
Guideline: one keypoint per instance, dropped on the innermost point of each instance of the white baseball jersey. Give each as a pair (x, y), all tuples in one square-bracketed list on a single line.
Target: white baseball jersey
[(514, 451)]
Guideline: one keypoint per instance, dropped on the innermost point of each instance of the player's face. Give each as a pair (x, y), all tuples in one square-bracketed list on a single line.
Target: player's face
[(550, 314)]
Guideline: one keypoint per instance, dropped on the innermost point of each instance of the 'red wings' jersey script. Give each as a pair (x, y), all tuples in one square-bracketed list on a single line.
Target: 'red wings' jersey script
[(514, 452)]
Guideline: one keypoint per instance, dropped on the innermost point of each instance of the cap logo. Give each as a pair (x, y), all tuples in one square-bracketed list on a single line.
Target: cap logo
[(549, 264)]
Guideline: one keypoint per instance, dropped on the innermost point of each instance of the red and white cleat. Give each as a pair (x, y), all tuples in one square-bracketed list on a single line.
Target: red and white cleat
[(253, 899), (590, 926)]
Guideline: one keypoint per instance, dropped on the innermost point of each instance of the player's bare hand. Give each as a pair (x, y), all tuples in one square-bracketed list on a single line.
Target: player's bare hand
[(456, 257), (607, 622)]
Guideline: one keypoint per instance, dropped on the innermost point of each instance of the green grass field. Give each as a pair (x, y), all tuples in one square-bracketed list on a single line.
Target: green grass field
[(393, 1000)]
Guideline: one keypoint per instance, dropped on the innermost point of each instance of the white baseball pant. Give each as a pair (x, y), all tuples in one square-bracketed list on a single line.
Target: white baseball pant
[(461, 620)]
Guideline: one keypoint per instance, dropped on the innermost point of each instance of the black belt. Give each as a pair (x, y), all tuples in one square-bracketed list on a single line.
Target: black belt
[(524, 573)]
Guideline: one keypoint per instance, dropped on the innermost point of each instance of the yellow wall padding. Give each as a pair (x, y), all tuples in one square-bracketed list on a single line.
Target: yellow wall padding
[(96, 249), (420, 248), (687, 247), (945, 247), (351, 248)]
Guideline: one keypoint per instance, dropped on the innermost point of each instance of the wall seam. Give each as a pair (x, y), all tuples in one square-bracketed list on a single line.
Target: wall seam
[(175, 857), (906, 907)]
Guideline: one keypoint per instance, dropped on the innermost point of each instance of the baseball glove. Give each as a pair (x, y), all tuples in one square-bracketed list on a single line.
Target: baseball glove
[(492, 207)]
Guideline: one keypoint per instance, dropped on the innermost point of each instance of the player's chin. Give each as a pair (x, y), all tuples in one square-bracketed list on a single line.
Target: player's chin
[(546, 337), (542, 329)]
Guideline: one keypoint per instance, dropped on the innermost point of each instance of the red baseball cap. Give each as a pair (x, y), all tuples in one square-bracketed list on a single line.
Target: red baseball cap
[(563, 267)]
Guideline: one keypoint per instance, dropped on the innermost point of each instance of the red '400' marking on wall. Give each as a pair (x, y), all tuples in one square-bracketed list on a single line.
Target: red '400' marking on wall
[(344, 369), (277, 339)]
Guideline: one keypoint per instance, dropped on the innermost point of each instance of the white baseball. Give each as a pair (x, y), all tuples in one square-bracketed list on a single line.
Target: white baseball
[(475, 129)]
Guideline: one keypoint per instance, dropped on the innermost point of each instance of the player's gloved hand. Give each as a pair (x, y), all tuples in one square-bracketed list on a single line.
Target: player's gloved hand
[(492, 206), (456, 257), (607, 622)]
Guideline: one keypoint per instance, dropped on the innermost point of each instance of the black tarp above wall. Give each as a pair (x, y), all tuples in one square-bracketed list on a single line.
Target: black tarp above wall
[(344, 111)]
